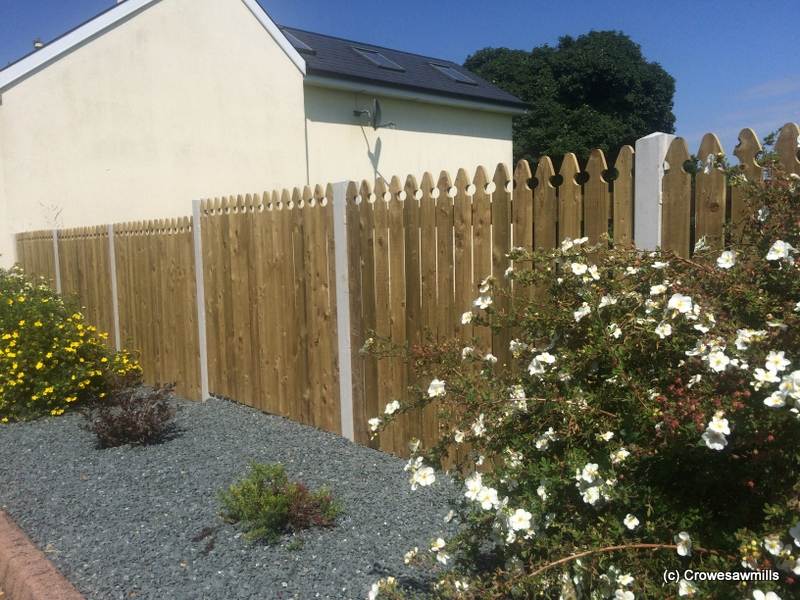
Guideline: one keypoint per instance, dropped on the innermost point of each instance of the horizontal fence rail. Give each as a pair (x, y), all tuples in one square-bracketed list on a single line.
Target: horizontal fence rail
[(415, 252)]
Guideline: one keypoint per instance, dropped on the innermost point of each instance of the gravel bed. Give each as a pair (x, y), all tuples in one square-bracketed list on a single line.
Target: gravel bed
[(122, 523)]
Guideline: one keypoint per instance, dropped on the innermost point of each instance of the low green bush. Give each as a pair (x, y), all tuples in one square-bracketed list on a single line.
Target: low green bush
[(266, 504), (51, 360), (645, 422)]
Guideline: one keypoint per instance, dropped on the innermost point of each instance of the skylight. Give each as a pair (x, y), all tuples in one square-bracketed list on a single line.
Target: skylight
[(299, 44), (454, 74), (378, 59)]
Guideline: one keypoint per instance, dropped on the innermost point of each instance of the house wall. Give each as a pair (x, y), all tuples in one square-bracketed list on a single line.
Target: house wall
[(188, 99), (426, 137)]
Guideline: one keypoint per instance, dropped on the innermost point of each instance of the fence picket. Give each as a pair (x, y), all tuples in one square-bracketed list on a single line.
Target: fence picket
[(570, 209), (623, 197), (710, 192), (676, 201), (597, 198), (746, 151), (545, 206), (501, 245), (787, 147)]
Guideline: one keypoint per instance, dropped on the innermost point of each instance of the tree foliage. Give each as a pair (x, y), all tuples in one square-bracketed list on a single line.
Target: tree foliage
[(593, 91)]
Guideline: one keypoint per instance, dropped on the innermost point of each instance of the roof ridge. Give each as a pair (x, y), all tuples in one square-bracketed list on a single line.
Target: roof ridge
[(358, 43)]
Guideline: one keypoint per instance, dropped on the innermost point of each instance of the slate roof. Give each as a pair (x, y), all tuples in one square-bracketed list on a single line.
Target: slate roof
[(337, 58)]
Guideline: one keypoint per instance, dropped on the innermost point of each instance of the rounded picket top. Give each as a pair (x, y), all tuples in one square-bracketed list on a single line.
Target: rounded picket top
[(787, 146), (747, 151), (570, 169), (710, 149), (445, 184), (597, 166), (481, 179), (523, 174), (463, 183), (381, 192), (677, 156), (502, 180), (428, 186), (411, 188), (396, 187), (351, 194), (545, 172)]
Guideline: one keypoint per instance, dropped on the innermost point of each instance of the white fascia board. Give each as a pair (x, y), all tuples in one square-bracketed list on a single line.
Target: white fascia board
[(390, 92), (110, 19), (55, 50), (277, 35)]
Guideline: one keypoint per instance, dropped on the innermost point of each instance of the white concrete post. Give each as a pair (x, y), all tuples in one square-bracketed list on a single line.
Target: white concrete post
[(651, 151), (200, 295), (56, 261), (112, 267), (343, 308)]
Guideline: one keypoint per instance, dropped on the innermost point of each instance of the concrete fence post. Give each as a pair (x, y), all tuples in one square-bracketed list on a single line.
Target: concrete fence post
[(650, 153), (56, 261), (112, 267), (200, 296), (343, 308)]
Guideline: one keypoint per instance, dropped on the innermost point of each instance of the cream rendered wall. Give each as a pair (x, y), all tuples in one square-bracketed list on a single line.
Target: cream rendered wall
[(188, 99), (428, 137)]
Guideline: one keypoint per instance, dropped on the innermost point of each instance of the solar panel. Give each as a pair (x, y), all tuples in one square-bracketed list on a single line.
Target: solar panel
[(299, 44), (378, 59), (454, 74)]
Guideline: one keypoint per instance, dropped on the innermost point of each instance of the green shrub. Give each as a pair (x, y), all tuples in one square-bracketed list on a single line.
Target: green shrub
[(50, 359), (646, 421), (266, 504), (131, 415)]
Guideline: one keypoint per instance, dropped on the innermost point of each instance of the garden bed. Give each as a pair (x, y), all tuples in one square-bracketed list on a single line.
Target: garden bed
[(129, 522)]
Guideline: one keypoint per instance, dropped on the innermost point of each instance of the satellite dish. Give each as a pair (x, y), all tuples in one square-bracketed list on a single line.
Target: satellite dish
[(375, 115)]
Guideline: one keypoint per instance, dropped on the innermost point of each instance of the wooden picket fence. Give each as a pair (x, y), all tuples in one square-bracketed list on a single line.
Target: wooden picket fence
[(416, 253)]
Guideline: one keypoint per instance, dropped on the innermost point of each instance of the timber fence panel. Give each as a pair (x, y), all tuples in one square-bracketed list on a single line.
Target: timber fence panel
[(501, 246), (597, 198), (747, 150), (85, 267), (35, 255), (157, 303), (676, 201), (570, 201)]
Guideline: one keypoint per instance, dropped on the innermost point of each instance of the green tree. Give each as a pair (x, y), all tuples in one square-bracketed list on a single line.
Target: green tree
[(593, 91)]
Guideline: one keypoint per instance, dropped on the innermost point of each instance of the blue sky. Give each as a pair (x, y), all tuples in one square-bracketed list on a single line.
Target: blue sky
[(735, 61)]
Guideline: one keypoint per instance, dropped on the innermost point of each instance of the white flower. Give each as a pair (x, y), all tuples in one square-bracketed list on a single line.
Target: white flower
[(486, 285), (718, 361), (776, 362), (423, 477), (508, 272), (591, 495), (631, 271), (744, 337), (541, 491), (578, 268), (437, 544), (631, 522), (449, 516), (474, 485), (606, 437), (392, 407), (714, 441), (607, 301), (594, 272), (374, 423), (539, 363), (773, 545), (686, 588), (479, 427), (660, 265), (727, 259), (619, 456), (759, 595), (680, 303), (797, 307), (374, 591), (584, 310), (775, 400), (490, 358), (719, 424), (657, 290), (410, 555), (684, 543), (442, 557), (467, 317), (590, 472), (483, 302), (780, 250), (520, 520), (614, 330), (626, 579), (466, 352), (543, 441), (663, 330), (458, 436), (487, 497), (764, 376), (517, 347), (436, 389), (624, 595)]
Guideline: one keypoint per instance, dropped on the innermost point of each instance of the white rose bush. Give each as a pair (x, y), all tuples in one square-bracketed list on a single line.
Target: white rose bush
[(645, 417)]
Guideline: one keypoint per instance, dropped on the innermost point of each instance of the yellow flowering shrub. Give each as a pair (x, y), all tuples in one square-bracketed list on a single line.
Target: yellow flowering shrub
[(51, 360)]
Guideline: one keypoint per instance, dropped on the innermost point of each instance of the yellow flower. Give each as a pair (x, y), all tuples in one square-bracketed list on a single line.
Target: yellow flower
[(39, 366), (22, 323), (37, 324), (57, 412), (4, 420)]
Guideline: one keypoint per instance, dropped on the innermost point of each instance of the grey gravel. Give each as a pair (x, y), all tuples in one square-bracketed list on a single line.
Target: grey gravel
[(120, 523)]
